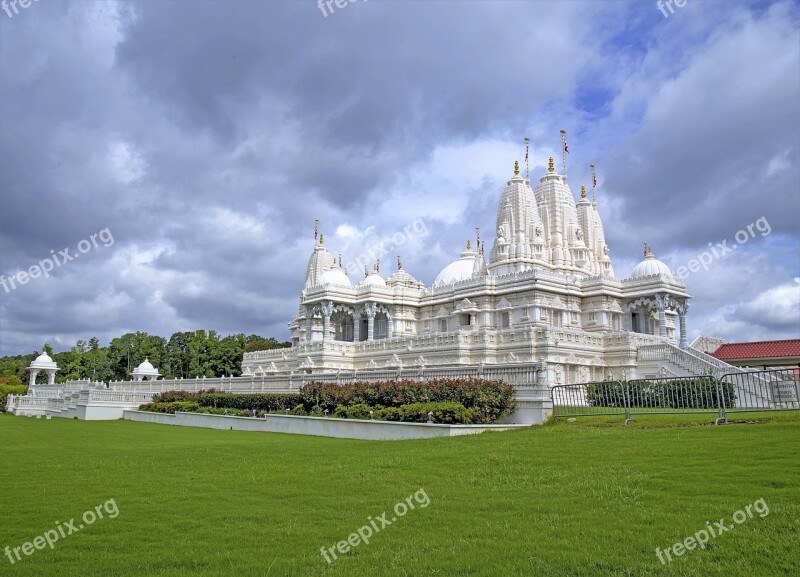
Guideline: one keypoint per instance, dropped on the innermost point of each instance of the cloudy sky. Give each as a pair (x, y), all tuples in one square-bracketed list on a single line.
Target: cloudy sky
[(206, 137)]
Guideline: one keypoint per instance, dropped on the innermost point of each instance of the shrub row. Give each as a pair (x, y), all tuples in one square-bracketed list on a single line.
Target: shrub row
[(699, 393), (491, 400), (443, 413), (171, 407), (245, 402), (191, 407), (451, 400)]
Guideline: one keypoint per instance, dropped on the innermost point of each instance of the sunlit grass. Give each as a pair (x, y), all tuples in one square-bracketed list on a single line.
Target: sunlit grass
[(588, 497)]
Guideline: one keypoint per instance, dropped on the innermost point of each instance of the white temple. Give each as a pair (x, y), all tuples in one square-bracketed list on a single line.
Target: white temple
[(545, 309), (547, 294)]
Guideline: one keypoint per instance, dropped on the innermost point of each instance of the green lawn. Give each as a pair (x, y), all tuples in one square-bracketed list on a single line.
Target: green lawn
[(574, 498)]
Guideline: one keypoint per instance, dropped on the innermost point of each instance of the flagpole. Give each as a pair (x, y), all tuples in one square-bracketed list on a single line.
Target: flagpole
[(564, 154), (527, 165)]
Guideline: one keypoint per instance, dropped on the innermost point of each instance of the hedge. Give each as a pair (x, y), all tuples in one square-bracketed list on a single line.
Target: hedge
[(182, 406), (482, 401), (492, 400), (694, 393), (246, 402)]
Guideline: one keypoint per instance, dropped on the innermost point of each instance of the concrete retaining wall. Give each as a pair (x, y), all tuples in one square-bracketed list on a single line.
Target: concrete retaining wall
[(318, 426)]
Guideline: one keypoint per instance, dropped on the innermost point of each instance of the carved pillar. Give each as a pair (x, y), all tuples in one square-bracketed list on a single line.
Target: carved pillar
[(389, 324), (356, 326), (32, 382), (327, 311), (370, 309), (661, 305), (684, 343), (309, 324)]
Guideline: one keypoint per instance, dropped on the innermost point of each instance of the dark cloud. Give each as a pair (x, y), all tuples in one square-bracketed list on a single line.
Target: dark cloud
[(207, 136)]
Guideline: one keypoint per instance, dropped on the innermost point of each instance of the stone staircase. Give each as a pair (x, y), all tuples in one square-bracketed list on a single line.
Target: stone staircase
[(752, 389)]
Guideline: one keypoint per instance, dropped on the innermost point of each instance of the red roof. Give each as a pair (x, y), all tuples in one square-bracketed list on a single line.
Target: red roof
[(759, 350)]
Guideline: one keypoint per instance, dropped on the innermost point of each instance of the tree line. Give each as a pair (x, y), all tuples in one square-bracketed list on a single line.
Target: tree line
[(186, 354)]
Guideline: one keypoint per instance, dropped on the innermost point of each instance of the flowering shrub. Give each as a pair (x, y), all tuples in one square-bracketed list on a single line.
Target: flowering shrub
[(491, 400), (171, 407), (243, 402)]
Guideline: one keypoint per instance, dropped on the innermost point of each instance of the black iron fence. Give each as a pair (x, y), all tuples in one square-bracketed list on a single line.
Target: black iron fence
[(773, 390)]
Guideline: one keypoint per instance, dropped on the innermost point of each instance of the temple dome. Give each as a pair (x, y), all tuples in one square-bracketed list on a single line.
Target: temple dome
[(335, 276), (43, 361), (146, 366), (650, 266), (456, 271), (145, 371), (402, 278), (374, 279)]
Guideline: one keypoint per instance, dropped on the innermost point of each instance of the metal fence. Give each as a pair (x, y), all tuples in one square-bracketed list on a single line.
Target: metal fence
[(772, 390)]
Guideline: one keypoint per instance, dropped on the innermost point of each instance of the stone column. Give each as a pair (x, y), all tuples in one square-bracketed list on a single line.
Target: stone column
[(356, 326), (389, 325), (327, 311), (309, 324), (661, 305), (627, 321), (370, 309), (32, 381), (684, 343), (51, 377)]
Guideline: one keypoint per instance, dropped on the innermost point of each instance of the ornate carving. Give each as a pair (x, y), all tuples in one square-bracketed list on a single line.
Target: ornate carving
[(370, 309)]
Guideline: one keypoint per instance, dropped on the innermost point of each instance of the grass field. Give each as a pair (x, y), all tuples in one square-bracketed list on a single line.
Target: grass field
[(574, 498)]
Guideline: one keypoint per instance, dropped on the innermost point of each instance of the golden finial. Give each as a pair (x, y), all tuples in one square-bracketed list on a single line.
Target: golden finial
[(340, 260), (583, 191), (550, 166), (469, 245), (321, 239), (516, 168), (399, 263), (378, 265)]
